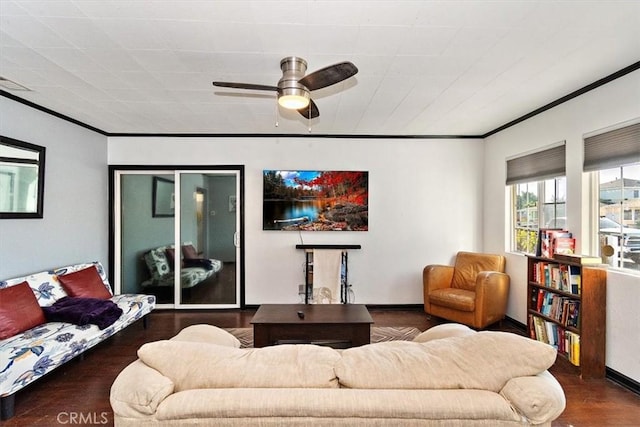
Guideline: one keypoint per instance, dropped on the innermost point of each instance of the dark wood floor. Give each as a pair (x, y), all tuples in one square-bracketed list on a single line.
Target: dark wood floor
[(79, 390)]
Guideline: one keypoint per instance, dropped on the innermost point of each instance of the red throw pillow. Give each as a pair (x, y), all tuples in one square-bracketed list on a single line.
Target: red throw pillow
[(171, 257), (19, 310), (189, 252), (84, 283)]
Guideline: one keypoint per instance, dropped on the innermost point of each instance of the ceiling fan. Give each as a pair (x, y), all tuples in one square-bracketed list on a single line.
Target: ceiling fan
[(294, 87)]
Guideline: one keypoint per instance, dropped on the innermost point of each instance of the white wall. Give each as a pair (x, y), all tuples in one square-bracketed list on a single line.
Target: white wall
[(425, 204), (616, 102), (75, 224)]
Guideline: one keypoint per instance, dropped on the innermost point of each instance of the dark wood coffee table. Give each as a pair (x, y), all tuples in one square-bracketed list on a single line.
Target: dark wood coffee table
[(336, 325)]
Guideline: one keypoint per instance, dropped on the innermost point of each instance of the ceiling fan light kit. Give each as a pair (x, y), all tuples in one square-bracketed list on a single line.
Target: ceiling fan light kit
[(291, 94), (294, 87), (293, 98)]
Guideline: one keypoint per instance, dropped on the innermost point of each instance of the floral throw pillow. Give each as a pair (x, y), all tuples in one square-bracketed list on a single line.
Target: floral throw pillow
[(157, 263)]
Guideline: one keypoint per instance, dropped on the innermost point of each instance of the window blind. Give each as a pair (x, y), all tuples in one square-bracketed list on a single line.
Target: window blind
[(618, 147), (537, 166)]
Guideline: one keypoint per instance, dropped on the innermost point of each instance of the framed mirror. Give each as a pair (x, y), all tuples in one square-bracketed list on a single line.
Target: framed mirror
[(21, 179), (163, 197)]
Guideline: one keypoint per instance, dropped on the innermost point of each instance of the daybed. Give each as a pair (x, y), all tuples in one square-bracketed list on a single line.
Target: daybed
[(445, 378), (193, 270), (36, 346)]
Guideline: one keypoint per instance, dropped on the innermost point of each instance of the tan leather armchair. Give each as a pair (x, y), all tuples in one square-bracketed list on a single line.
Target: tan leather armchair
[(473, 292)]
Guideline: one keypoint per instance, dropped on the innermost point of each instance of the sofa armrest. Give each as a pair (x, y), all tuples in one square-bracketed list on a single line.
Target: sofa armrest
[(138, 390), (540, 398)]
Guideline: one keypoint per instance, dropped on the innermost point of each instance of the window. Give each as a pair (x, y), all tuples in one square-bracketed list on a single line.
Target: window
[(537, 204), (614, 157), (538, 194), (619, 213)]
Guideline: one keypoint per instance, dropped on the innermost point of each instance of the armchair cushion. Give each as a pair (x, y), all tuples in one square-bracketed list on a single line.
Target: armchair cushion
[(469, 264), (458, 299)]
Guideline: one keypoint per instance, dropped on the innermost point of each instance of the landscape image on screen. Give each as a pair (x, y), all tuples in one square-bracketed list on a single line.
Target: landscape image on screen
[(315, 200)]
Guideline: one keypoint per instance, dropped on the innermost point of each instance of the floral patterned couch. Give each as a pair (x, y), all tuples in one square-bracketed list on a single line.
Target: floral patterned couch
[(29, 355), (193, 270)]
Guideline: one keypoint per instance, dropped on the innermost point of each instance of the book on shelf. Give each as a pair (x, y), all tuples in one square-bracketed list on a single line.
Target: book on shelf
[(574, 280), (573, 314), (564, 245), (540, 300), (573, 349), (544, 241), (578, 259)]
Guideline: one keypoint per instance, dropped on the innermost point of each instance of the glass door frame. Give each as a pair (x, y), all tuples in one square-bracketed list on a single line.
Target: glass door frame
[(115, 226)]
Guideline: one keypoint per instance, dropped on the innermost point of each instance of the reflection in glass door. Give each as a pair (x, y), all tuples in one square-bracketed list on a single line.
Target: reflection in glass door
[(179, 227), (146, 224), (209, 223)]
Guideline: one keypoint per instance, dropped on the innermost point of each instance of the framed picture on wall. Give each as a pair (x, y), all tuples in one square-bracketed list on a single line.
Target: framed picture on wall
[(164, 197), (305, 200)]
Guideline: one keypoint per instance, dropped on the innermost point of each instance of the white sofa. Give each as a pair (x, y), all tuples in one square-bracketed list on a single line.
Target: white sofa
[(27, 356), (449, 376)]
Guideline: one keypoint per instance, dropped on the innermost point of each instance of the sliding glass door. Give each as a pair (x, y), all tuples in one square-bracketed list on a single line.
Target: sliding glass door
[(177, 236)]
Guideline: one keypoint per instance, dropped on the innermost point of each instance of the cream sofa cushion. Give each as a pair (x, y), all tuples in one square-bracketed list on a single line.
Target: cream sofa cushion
[(192, 365), (207, 334), (539, 398), (485, 361), (445, 330), (138, 389)]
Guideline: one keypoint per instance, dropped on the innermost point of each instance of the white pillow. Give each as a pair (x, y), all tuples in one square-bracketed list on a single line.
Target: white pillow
[(483, 361), (207, 334), (445, 330), (195, 365)]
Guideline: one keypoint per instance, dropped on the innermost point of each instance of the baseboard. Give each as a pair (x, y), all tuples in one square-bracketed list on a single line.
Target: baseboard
[(623, 380), (518, 325), (408, 307)]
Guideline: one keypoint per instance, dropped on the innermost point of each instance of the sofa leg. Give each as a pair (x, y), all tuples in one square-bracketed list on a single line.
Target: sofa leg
[(7, 404)]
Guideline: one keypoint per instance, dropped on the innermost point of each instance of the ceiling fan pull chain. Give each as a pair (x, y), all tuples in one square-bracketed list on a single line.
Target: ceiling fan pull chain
[(309, 117), (277, 114)]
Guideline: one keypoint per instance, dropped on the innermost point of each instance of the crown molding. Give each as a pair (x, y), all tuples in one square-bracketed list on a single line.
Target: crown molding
[(611, 77)]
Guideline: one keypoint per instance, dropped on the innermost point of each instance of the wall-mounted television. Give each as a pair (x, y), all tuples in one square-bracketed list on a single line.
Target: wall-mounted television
[(307, 200)]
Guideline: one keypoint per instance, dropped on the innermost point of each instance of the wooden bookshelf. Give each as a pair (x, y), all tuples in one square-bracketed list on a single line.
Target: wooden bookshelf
[(553, 320)]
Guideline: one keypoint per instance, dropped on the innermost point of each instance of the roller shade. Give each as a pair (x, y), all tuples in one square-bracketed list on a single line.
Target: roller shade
[(611, 149), (537, 166)]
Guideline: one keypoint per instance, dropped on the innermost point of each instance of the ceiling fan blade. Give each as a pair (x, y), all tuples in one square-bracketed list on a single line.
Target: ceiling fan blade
[(249, 86), (311, 109), (328, 76)]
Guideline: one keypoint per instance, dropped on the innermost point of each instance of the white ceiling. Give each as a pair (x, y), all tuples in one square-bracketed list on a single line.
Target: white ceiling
[(426, 67)]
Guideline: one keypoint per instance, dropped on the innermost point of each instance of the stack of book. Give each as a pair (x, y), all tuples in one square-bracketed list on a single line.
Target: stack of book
[(553, 275), (553, 241), (565, 341)]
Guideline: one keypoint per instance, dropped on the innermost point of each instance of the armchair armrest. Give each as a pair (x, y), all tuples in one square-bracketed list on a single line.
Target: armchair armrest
[(492, 292), (437, 277)]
